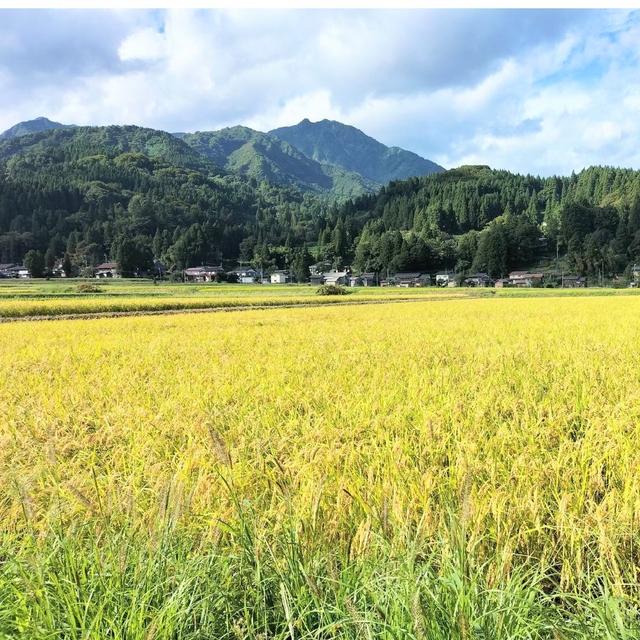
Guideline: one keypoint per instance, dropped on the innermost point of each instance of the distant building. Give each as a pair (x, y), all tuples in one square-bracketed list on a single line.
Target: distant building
[(337, 278), (159, 269), (413, 279), (281, 277), (574, 282), (6, 269), (106, 270), (443, 278), (320, 268), (245, 275), (478, 280), (525, 279), (202, 274), (370, 279)]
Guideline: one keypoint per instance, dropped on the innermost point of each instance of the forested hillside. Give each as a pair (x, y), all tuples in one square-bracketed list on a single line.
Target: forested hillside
[(265, 157), (473, 218), (91, 191), (333, 143), (129, 194)]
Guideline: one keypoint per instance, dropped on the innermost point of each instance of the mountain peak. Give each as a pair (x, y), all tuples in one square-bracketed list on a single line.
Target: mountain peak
[(335, 143), (33, 126)]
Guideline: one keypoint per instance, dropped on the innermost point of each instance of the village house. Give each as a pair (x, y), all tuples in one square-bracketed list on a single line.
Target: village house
[(478, 280), (245, 275), (106, 270), (573, 282), (281, 276), (316, 280), (336, 277), (202, 273), (503, 282), (369, 279), (159, 269), (319, 268), (415, 279), (525, 279), (364, 280), (5, 269), (15, 271), (443, 278)]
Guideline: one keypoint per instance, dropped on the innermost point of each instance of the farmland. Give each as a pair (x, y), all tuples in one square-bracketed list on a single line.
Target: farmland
[(444, 468)]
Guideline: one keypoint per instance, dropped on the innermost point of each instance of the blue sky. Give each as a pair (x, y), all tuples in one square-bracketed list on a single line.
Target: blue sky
[(533, 91)]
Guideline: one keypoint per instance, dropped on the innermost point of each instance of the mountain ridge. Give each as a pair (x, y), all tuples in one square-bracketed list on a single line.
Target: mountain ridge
[(33, 126), (332, 142), (336, 161)]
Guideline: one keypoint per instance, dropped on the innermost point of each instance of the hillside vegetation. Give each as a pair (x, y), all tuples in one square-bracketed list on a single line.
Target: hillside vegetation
[(264, 157), (334, 143), (101, 193)]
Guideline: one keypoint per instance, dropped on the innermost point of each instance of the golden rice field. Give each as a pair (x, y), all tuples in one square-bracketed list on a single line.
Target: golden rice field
[(498, 434), (46, 300)]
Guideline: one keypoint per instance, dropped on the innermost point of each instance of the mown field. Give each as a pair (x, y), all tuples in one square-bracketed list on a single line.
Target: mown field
[(461, 469)]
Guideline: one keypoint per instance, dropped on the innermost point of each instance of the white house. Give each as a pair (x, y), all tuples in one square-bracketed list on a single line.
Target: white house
[(336, 277)]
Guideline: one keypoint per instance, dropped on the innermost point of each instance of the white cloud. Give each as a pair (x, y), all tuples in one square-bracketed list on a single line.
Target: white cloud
[(146, 44), (529, 91)]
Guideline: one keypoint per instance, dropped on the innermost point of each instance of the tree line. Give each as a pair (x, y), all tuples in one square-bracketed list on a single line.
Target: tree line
[(128, 195)]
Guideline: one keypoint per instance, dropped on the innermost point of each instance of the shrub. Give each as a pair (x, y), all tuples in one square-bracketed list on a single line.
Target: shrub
[(332, 290), (88, 287)]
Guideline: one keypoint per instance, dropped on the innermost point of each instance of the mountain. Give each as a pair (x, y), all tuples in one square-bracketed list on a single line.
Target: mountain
[(264, 157), (334, 143), (59, 144), (90, 191), (33, 126), (327, 158)]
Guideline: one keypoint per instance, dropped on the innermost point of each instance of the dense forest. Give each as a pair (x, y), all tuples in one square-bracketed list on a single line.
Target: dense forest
[(129, 194)]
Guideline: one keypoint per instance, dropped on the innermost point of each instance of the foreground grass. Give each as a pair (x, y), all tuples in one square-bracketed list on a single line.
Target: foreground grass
[(459, 470)]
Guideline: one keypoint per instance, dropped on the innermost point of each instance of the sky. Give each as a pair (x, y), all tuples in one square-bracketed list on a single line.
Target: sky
[(539, 91)]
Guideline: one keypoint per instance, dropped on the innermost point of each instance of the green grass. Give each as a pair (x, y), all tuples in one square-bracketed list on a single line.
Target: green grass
[(80, 583)]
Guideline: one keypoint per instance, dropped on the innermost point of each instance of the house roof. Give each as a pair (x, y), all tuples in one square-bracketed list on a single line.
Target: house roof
[(242, 269), (404, 276), (203, 269), (159, 265), (107, 265), (479, 275), (8, 265)]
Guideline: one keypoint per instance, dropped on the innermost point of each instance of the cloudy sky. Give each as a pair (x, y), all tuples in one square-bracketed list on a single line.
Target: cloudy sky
[(533, 91)]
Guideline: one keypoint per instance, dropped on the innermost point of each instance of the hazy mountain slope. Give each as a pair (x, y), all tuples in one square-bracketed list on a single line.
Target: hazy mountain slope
[(33, 126), (335, 143)]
